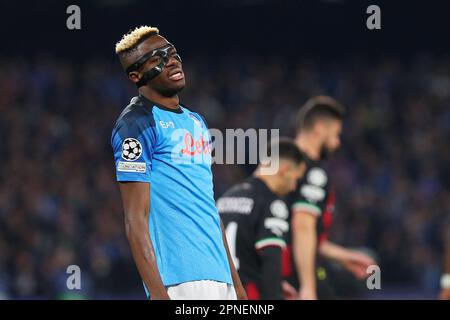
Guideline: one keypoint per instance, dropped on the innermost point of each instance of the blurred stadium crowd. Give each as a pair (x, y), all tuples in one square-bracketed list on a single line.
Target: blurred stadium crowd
[(60, 205)]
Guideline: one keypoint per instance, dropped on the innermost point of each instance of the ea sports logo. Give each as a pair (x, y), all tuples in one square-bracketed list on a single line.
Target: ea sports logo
[(131, 149)]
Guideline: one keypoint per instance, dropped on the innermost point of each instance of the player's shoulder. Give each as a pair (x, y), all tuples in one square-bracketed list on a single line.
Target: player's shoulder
[(240, 198), (312, 189), (270, 203), (135, 118), (316, 174), (245, 188)]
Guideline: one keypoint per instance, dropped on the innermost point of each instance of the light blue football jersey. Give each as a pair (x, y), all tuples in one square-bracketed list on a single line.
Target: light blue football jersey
[(171, 149)]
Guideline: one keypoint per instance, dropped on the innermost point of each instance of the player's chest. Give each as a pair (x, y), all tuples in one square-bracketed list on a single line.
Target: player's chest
[(183, 137)]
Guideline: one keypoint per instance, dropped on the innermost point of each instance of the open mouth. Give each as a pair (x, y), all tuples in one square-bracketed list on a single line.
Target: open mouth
[(177, 75)]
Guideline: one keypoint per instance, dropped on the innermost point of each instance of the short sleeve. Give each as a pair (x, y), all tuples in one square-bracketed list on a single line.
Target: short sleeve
[(133, 140), (273, 226), (312, 192)]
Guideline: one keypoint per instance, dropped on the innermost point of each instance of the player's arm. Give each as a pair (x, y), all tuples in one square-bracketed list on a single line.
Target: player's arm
[(136, 204), (240, 291), (354, 261), (132, 140), (306, 210), (304, 246)]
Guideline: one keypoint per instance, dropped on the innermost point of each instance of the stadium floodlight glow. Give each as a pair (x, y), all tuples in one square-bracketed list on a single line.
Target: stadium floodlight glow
[(160, 56)]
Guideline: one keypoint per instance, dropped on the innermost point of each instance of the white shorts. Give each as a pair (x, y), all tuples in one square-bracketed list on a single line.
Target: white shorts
[(202, 290)]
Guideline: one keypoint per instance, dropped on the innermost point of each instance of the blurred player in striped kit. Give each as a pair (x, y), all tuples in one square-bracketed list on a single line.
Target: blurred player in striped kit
[(319, 125)]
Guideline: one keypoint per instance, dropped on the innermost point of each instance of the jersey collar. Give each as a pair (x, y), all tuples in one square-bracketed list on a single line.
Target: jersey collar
[(150, 104)]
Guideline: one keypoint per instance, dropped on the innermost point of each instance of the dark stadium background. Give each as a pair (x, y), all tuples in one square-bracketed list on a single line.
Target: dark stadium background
[(249, 64)]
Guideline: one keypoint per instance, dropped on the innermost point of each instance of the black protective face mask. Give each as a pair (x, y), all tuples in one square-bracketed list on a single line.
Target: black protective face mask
[(161, 56)]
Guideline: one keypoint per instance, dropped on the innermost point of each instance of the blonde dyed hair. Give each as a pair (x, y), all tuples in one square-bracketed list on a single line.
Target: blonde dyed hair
[(131, 39)]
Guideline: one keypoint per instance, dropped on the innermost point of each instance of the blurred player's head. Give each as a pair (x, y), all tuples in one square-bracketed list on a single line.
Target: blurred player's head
[(321, 117), (291, 167), (152, 61)]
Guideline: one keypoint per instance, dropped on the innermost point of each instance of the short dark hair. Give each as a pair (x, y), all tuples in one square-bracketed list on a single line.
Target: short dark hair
[(288, 150), (318, 107)]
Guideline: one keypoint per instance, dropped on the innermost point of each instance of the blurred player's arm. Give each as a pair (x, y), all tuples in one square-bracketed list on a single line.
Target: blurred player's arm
[(354, 261), (136, 203), (304, 245), (240, 291), (445, 278)]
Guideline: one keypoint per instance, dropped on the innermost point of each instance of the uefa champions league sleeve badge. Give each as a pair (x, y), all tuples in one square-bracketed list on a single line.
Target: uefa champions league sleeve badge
[(131, 149)]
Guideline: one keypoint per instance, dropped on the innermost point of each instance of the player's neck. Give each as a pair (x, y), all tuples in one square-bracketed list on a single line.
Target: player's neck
[(309, 145), (169, 102)]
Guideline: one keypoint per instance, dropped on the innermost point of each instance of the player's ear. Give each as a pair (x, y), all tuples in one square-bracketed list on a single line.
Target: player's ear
[(134, 76), (301, 169), (318, 126), (283, 167)]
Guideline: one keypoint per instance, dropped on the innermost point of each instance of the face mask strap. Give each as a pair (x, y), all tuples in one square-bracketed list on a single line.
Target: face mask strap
[(152, 73)]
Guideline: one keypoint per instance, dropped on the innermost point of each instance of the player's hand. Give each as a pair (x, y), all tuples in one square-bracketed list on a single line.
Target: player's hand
[(289, 291), (445, 294), (357, 263), (307, 294)]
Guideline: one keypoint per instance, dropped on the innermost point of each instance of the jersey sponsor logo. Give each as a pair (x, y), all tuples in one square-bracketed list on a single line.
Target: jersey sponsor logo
[(131, 149), (193, 147), (276, 226), (240, 205), (317, 176), (279, 209), (139, 167), (312, 193)]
